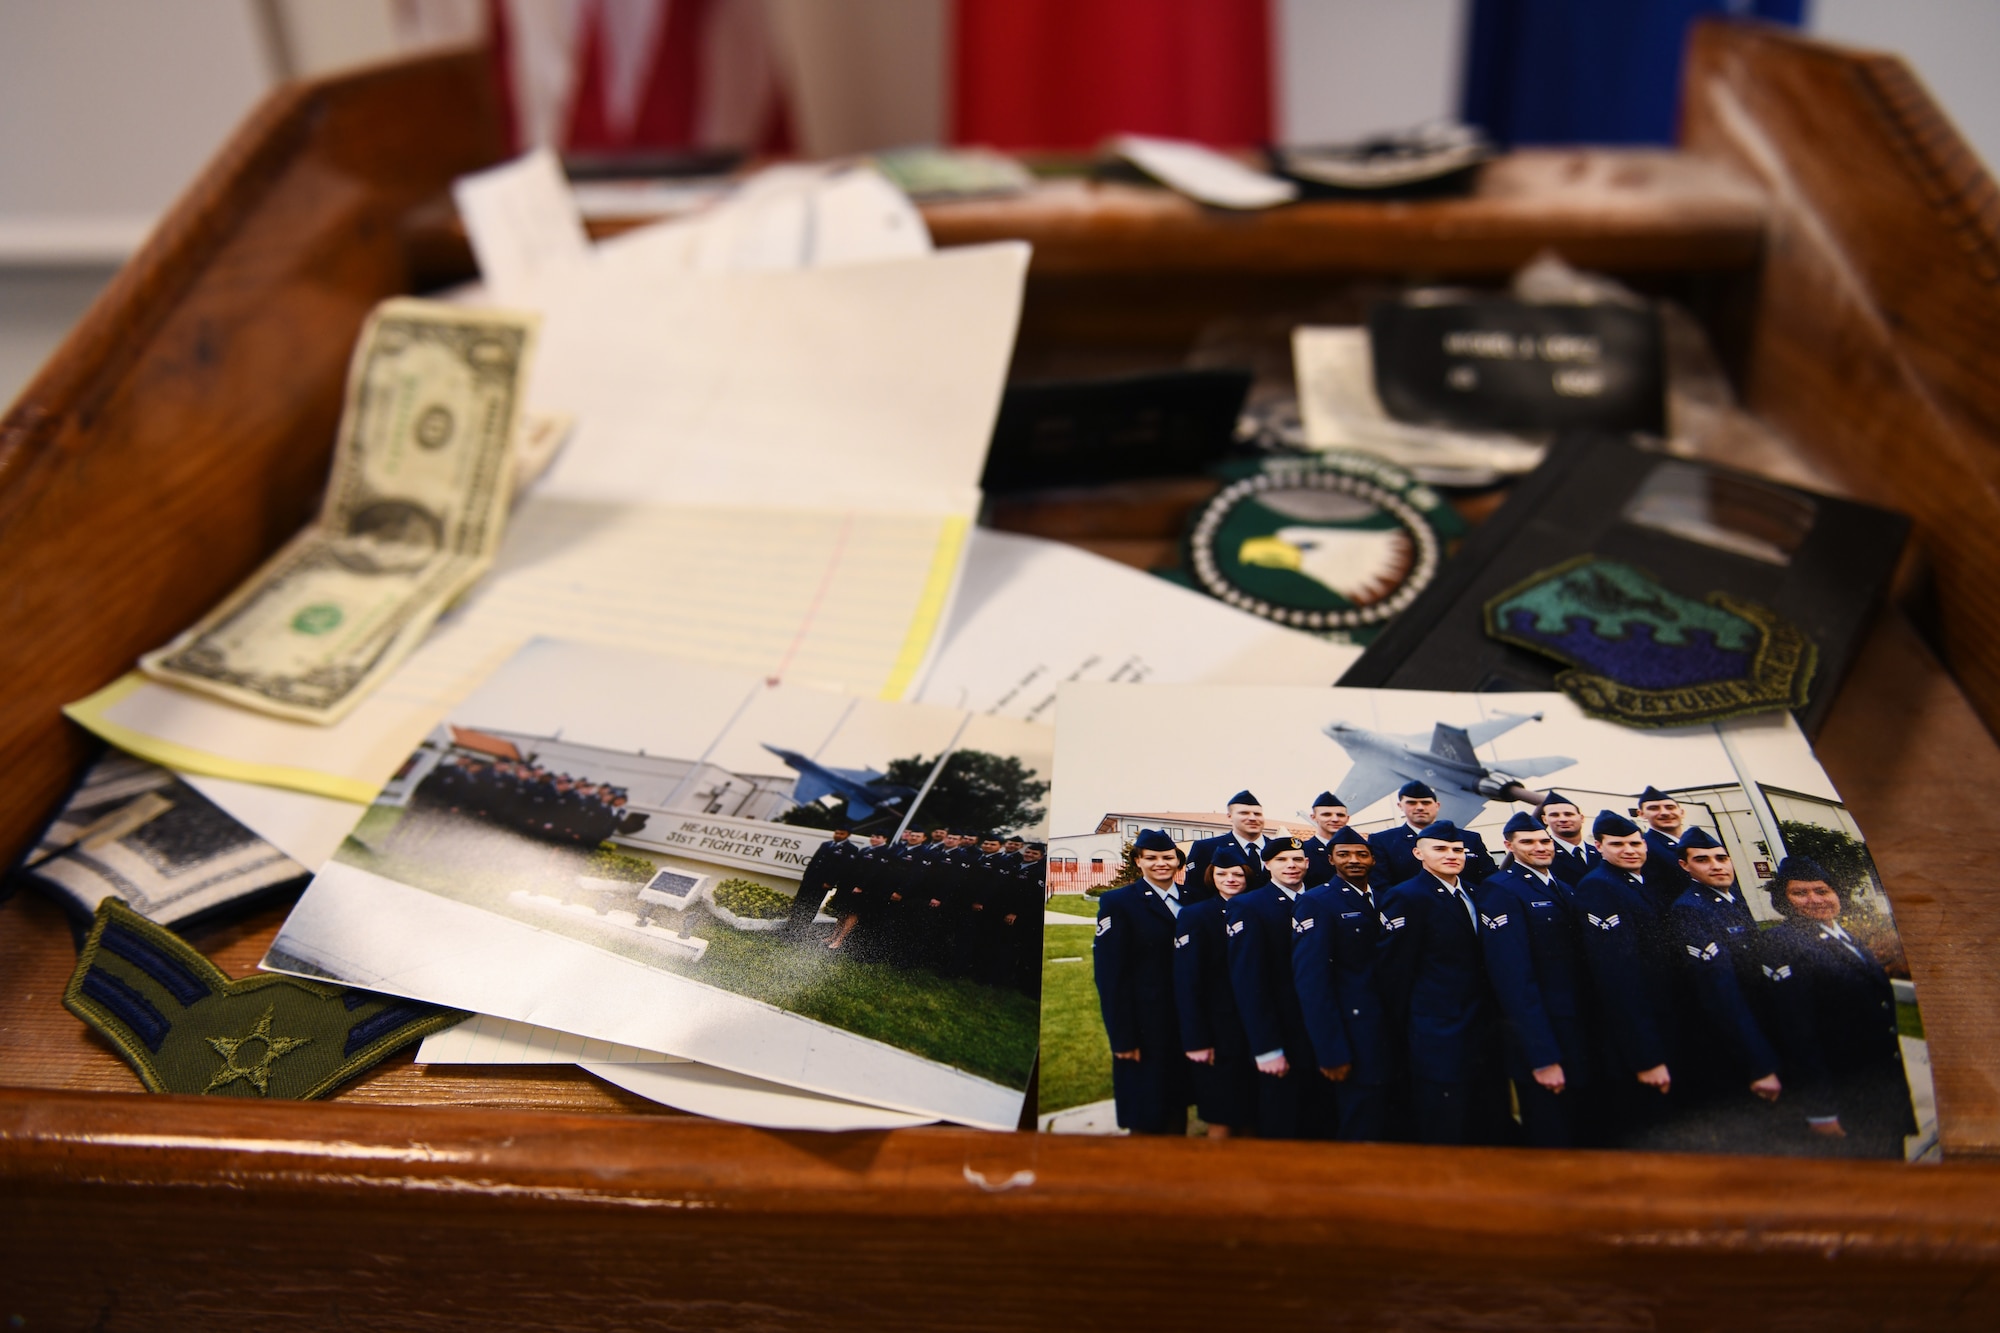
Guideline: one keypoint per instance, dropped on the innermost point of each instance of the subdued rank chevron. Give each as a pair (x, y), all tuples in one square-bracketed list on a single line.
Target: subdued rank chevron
[(185, 1026)]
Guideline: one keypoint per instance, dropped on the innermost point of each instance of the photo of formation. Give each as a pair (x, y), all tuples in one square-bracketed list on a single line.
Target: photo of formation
[(865, 874), (1462, 919)]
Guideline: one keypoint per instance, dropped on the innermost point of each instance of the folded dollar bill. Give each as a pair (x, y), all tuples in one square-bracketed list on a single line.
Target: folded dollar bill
[(422, 475)]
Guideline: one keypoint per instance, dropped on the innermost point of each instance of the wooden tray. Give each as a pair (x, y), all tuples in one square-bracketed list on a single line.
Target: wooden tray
[(183, 430)]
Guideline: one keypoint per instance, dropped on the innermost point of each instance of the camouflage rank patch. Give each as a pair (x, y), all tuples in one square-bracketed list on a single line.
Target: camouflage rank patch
[(1644, 655), (185, 1026)]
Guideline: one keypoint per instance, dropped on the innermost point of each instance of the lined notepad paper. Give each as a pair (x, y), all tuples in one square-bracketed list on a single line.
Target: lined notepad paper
[(850, 601)]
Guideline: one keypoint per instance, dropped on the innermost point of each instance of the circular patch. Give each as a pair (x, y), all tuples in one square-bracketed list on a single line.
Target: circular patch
[(319, 618), (1333, 547)]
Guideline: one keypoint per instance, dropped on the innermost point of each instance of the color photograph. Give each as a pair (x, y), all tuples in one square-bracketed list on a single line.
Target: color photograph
[(836, 893), (1462, 919)]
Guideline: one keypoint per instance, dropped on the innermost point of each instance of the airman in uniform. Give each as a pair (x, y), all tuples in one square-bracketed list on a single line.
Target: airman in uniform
[(1528, 932), (1625, 944), (1726, 1049), (1218, 1050), (1665, 822), (1133, 955), (1329, 816), (1246, 832), (1336, 932), (1563, 818), (1433, 978), (1292, 1097), (1395, 848), (1834, 1017), (822, 876)]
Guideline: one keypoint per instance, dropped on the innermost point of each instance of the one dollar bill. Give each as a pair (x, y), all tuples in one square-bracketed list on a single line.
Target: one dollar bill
[(422, 474)]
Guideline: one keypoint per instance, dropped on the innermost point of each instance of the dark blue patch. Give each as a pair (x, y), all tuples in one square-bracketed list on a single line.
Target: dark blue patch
[(354, 999), (376, 1025), (1636, 658), (172, 974), (128, 1007)]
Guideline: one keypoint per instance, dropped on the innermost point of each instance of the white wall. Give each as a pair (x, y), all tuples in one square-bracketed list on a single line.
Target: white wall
[(1350, 68), (107, 108), (1951, 44)]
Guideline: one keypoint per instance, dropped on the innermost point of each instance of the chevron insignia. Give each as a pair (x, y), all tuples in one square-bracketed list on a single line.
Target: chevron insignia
[(1395, 923), (1493, 922), (1778, 973), (1301, 927), (1233, 928), (1180, 941), (1603, 922), (1704, 955), (1103, 925), (185, 1026)]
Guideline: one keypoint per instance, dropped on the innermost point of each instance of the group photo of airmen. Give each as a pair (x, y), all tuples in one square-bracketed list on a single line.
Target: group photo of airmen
[(527, 798), (958, 903), (1593, 981)]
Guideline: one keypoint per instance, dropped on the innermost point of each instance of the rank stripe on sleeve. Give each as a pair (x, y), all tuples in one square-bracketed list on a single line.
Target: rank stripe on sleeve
[(185, 1026)]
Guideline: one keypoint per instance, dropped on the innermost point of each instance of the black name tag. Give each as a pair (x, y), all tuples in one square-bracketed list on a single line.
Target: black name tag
[(1494, 363)]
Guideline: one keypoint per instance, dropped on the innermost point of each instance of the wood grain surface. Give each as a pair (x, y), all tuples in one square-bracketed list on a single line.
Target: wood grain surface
[(1870, 339), (182, 433)]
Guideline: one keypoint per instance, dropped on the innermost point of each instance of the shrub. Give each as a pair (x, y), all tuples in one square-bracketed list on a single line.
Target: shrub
[(610, 863), (748, 899)]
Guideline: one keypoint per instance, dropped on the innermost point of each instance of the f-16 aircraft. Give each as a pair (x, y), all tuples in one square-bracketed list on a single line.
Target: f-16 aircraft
[(1447, 761), (865, 790)]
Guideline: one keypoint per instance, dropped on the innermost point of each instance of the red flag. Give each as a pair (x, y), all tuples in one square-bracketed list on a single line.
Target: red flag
[(1068, 73)]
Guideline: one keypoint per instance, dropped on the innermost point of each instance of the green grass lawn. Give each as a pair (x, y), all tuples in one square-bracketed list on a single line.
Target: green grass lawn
[(1073, 904), (981, 1029), (1909, 1023), (1076, 1055)]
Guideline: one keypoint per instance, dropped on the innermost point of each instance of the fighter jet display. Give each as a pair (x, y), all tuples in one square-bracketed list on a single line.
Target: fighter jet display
[(864, 789), (1447, 761)]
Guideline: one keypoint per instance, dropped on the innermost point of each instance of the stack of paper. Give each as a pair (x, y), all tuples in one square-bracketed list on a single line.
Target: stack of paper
[(781, 406)]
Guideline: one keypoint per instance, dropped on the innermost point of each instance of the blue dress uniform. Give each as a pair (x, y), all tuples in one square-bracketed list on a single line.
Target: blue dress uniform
[(1573, 863), (826, 872), (1715, 942), (1259, 928), (1225, 1091), (1336, 931), (1319, 866), (1665, 880), (1625, 945), (1396, 855), (1534, 957), (1433, 978), (1834, 1017), (1133, 956)]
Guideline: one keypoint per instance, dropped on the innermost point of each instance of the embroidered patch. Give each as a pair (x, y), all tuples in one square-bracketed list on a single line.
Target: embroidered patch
[(1602, 922), (1180, 941), (1778, 973), (1301, 927), (1393, 924), (185, 1026), (1707, 955), (1642, 654), (1493, 922), (1103, 925), (1336, 545), (1233, 928)]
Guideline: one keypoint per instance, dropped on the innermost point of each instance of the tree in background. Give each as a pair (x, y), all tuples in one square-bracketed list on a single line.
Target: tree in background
[(977, 790)]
